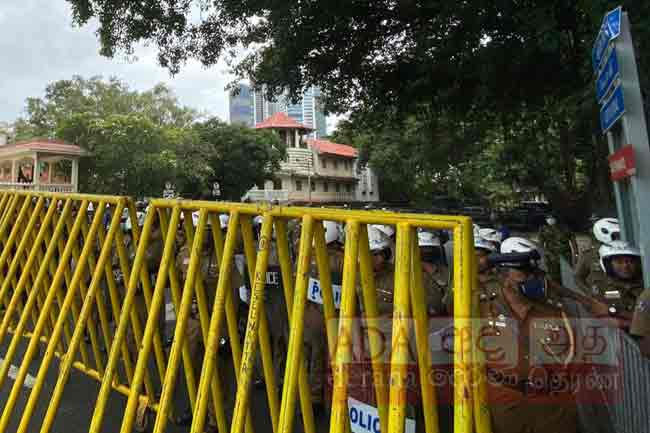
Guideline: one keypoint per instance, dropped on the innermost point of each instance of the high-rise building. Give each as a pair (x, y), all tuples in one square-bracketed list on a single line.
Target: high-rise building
[(241, 105), (307, 110)]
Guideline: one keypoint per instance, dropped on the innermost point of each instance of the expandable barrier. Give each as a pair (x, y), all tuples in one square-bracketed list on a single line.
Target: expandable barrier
[(61, 289)]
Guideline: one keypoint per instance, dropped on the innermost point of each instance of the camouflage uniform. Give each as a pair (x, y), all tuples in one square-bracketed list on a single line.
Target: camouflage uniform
[(588, 264), (525, 343), (556, 242)]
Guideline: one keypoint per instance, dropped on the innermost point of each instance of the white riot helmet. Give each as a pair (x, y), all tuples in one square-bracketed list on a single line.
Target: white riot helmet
[(483, 244), (551, 220), (387, 231), (195, 218), (333, 232), (518, 245), (427, 239), (607, 230), (377, 239), (223, 221), (616, 248), (490, 235), (477, 231)]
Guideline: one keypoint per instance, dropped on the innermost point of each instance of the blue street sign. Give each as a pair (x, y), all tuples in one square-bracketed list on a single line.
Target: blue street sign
[(612, 110), (613, 21), (609, 30), (607, 76)]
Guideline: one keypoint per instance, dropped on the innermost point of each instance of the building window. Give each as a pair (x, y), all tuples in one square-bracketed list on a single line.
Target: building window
[(323, 163), (326, 186), (313, 186), (302, 142), (337, 186), (277, 184), (348, 187), (292, 139), (298, 185), (336, 164)]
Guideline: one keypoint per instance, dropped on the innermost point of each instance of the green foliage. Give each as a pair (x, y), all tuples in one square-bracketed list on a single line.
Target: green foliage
[(139, 141), (240, 157), (129, 153), (497, 90)]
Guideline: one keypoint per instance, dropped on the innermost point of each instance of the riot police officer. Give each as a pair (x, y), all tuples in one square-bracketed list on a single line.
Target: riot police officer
[(615, 291), (528, 343)]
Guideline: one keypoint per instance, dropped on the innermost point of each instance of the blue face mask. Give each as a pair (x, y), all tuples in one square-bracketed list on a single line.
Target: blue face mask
[(534, 288)]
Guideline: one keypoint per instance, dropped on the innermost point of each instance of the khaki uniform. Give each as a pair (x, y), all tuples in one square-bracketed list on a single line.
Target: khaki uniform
[(620, 296), (315, 337), (209, 272), (526, 344), (641, 320)]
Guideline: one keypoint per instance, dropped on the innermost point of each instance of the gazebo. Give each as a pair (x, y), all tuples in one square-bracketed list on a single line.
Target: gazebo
[(40, 165)]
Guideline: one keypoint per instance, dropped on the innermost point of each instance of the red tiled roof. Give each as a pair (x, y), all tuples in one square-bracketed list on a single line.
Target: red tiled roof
[(46, 145), (281, 120), (324, 146)]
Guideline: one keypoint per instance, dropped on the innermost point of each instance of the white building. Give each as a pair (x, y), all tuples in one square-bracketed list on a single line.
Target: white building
[(314, 171)]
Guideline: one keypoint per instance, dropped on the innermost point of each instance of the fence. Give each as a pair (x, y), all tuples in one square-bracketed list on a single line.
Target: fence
[(61, 289)]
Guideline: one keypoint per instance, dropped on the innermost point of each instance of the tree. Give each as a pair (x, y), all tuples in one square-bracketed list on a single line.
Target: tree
[(456, 56), (99, 98), (235, 156), (129, 154), (138, 141)]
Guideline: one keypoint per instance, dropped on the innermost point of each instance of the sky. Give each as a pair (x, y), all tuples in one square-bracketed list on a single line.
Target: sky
[(39, 45)]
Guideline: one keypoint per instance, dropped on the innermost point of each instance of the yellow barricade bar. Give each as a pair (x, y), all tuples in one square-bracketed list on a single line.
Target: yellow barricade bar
[(184, 308)]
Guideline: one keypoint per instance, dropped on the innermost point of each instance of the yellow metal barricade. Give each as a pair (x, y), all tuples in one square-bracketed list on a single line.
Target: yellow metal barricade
[(59, 290)]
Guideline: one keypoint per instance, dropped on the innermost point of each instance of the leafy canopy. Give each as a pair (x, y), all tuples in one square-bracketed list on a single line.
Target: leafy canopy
[(138, 141)]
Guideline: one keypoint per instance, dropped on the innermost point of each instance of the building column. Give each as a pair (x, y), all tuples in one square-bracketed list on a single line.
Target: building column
[(36, 173), (74, 176), (14, 172), (49, 172)]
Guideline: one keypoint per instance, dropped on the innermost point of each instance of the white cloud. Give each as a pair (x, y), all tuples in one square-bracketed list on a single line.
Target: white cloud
[(39, 45)]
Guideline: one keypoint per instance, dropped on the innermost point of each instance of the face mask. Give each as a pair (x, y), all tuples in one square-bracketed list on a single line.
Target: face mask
[(534, 288)]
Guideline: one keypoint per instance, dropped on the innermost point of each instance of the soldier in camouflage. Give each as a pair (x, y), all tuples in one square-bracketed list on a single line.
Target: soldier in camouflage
[(556, 240)]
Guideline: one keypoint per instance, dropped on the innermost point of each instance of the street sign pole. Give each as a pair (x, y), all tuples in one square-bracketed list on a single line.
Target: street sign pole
[(633, 193)]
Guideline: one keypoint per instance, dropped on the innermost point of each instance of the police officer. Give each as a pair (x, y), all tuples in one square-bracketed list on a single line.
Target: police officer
[(435, 271), (528, 344), (556, 240), (315, 338), (208, 271), (615, 291), (605, 231)]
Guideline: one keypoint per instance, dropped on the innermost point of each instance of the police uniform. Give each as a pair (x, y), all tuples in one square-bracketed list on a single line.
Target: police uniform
[(526, 345), (641, 320), (620, 296), (556, 242), (315, 337), (209, 273)]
